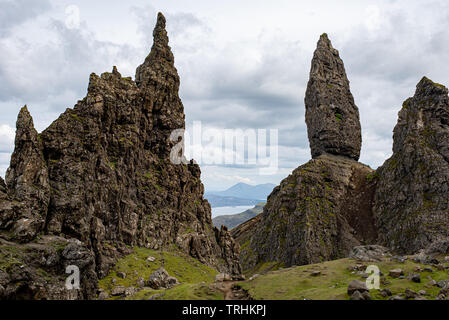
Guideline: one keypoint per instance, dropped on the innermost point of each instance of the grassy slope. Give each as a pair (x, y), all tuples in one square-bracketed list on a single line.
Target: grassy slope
[(297, 282), (294, 283), (194, 276)]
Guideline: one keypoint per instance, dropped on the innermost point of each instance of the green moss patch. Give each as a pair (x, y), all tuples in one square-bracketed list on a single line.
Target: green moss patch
[(186, 269)]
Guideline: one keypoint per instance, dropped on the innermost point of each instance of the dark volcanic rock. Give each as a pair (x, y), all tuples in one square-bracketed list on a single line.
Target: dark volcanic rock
[(37, 270), (27, 180), (332, 118), (102, 174), (411, 200), (318, 213)]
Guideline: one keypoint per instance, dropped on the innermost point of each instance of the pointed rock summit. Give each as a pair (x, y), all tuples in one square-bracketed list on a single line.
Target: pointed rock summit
[(27, 179), (411, 200), (159, 79), (332, 118)]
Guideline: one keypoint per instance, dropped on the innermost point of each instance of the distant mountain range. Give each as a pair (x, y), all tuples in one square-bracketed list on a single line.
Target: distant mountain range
[(239, 195), (234, 220)]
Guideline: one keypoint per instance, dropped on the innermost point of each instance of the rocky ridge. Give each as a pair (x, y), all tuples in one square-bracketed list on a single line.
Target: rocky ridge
[(100, 176)]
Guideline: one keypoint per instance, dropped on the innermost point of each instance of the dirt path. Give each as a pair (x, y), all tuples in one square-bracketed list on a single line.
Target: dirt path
[(232, 292)]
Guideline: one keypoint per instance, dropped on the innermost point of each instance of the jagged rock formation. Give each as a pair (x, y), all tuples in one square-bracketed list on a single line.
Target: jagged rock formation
[(324, 208), (318, 213), (27, 180), (101, 174), (331, 204), (411, 200), (332, 118)]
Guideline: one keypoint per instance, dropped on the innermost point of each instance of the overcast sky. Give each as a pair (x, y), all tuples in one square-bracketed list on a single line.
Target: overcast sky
[(243, 64)]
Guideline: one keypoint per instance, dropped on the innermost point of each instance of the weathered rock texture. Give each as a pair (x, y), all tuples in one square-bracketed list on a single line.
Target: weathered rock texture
[(101, 173), (324, 208), (27, 180), (411, 200), (332, 118), (318, 213)]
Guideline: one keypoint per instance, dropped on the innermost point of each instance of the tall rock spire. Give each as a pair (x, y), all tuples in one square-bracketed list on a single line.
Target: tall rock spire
[(160, 61), (332, 118), (27, 178), (159, 80)]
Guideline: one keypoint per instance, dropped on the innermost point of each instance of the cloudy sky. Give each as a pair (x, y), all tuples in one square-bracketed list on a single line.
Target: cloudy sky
[(243, 64)]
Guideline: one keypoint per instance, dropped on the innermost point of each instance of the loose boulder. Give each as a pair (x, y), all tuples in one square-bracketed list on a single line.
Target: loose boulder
[(160, 279)]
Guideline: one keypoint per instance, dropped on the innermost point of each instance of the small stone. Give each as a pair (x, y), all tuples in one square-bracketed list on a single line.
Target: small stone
[(315, 273), (121, 275), (221, 277), (151, 259), (140, 282), (428, 269), (396, 273), (415, 277), (422, 292), (356, 285), (418, 269), (356, 295), (443, 283), (103, 295), (366, 295), (130, 291), (410, 294), (118, 291), (385, 292)]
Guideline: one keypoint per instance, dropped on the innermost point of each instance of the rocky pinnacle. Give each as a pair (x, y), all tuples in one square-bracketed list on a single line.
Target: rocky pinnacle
[(27, 178), (332, 118), (158, 76), (411, 203)]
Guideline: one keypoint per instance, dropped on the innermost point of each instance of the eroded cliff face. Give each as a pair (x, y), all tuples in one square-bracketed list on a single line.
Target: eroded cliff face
[(101, 174), (318, 213), (411, 200)]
